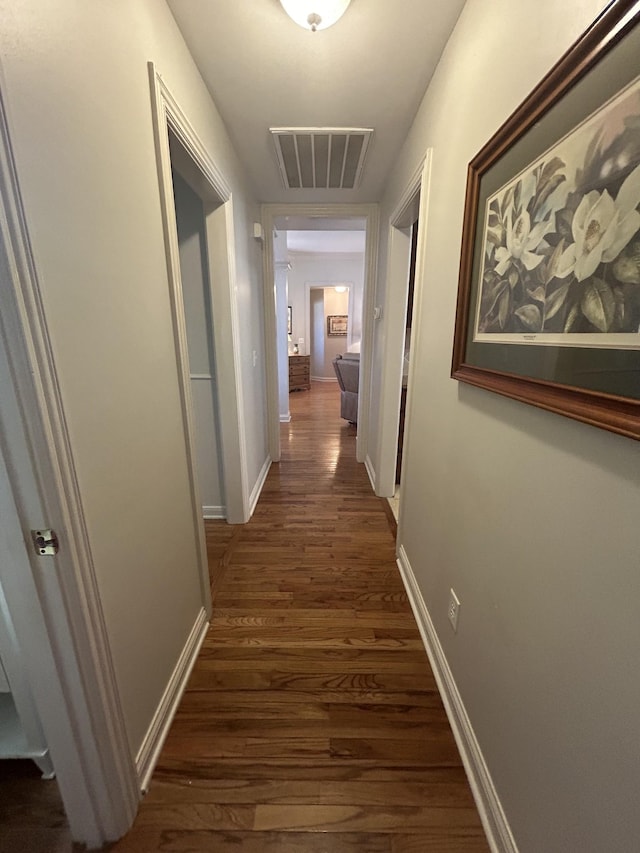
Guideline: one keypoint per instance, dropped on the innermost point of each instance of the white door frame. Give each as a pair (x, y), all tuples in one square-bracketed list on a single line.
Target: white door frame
[(369, 212), (210, 184), (395, 312), (54, 601)]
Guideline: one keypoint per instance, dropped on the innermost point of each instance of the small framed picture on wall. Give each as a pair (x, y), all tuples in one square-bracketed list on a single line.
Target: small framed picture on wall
[(337, 325)]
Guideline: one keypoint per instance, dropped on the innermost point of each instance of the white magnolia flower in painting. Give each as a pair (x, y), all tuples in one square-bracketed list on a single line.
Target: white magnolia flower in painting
[(522, 240), (602, 228)]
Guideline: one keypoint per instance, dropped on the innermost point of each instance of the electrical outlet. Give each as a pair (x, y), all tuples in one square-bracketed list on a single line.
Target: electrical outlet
[(454, 610)]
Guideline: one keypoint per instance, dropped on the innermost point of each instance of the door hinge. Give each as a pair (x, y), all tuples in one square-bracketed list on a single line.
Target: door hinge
[(45, 542)]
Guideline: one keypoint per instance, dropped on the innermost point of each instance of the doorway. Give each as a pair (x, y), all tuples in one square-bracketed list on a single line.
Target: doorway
[(179, 150), (406, 360), (401, 305), (313, 248), (331, 321), (198, 312)]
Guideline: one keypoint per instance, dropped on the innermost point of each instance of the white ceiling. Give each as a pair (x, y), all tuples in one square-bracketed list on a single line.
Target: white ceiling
[(370, 69)]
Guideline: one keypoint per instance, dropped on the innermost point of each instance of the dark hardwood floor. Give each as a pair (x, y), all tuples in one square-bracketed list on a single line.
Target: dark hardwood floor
[(32, 819), (311, 722)]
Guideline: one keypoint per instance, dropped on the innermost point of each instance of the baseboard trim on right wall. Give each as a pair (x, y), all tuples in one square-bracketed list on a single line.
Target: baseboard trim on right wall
[(371, 471), (492, 815)]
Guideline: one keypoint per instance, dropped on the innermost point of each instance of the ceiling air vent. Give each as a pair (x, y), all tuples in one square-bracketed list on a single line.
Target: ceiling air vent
[(321, 157)]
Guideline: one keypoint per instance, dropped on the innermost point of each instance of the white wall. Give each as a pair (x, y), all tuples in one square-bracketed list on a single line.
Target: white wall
[(316, 331), (76, 81), (532, 518), (324, 268)]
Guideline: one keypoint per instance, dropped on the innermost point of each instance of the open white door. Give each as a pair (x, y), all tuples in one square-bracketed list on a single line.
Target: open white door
[(53, 600)]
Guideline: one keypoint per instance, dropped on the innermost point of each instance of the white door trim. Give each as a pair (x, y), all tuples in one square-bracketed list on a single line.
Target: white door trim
[(222, 279), (370, 212), (54, 601), (395, 308)]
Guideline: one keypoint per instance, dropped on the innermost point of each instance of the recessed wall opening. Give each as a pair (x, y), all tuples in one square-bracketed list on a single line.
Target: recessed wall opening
[(198, 314), (320, 277), (346, 219), (406, 236)]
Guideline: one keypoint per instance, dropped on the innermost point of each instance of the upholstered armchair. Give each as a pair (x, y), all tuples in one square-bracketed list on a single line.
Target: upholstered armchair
[(347, 368)]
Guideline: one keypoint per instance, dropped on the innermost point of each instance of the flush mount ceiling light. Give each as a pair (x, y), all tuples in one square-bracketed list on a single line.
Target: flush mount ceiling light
[(315, 14), (340, 288)]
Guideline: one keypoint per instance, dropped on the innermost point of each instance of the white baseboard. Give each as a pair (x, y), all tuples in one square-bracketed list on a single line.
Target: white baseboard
[(157, 732), (286, 418), (324, 379), (214, 512), (368, 464), (257, 489), (493, 818)]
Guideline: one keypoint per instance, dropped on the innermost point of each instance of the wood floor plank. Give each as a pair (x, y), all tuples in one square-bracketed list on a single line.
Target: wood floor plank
[(292, 727), (197, 771), (222, 746), (306, 792), (192, 816), (302, 659), (311, 722), (294, 617), (434, 750), (199, 841), (332, 679), (409, 820), (452, 842), (236, 700)]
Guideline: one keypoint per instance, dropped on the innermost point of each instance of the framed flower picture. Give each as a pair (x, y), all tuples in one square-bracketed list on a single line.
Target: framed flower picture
[(549, 291)]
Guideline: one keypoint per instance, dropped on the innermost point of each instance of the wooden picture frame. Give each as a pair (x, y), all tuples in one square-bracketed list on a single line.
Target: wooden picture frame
[(548, 308), (289, 320), (337, 325)]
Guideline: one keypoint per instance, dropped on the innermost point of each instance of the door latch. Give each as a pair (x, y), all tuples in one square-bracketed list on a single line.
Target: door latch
[(45, 542)]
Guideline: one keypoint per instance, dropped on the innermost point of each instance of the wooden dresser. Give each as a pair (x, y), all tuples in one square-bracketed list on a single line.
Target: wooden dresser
[(299, 373)]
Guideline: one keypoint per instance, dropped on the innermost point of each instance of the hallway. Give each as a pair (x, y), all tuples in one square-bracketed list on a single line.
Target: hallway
[(311, 723)]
